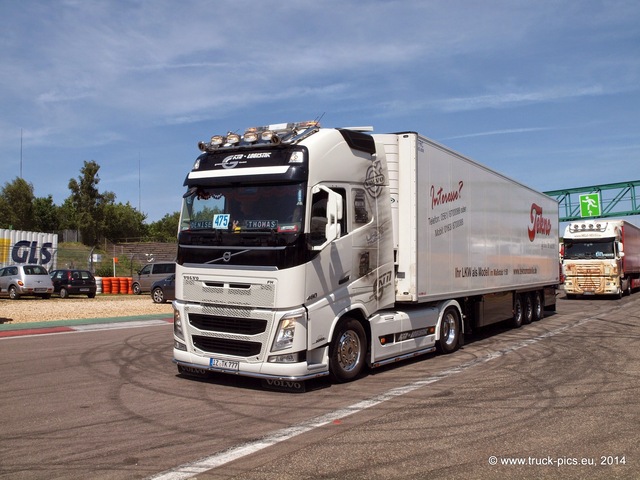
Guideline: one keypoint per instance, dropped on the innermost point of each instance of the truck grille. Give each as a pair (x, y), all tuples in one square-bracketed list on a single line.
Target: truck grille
[(230, 293), (242, 326), (590, 284), (589, 270), (226, 346), (229, 330)]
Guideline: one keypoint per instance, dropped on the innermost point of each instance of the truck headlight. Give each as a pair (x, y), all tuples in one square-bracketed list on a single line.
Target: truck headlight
[(177, 325), (286, 332)]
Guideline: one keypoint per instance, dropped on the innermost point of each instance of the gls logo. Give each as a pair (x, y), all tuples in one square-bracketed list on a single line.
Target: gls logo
[(25, 251)]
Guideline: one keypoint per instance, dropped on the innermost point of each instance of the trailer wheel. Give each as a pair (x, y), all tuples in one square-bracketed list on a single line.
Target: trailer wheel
[(449, 331), (347, 350), (538, 306), (528, 309), (518, 312)]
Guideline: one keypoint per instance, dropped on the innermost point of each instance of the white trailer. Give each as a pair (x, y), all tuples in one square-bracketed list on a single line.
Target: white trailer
[(601, 257), (307, 251)]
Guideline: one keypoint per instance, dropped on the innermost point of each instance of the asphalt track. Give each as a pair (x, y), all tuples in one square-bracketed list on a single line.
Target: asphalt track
[(555, 399)]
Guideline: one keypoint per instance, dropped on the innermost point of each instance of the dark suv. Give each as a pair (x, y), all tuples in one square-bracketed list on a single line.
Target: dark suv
[(73, 282)]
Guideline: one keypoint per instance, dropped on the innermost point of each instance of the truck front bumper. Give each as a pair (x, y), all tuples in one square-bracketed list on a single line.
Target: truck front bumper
[(300, 371), (592, 285)]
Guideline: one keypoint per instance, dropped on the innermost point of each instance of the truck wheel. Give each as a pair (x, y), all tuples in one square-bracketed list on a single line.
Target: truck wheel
[(538, 306), (136, 288), (13, 293), (347, 350), (449, 331), (528, 309), (64, 293), (518, 312)]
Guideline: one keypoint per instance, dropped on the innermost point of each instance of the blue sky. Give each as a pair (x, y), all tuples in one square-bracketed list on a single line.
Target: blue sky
[(546, 92)]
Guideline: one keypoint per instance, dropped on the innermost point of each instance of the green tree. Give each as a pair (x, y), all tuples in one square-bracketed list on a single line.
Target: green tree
[(45, 215), (16, 205), (123, 222), (89, 204), (67, 215), (165, 229)]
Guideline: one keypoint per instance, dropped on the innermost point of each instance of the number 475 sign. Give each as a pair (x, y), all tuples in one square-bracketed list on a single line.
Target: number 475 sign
[(590, 205)]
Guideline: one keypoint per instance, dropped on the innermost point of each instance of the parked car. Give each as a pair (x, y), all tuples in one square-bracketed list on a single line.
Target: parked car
[(18, 280), (73, 282), (150, 273), (164, 289)]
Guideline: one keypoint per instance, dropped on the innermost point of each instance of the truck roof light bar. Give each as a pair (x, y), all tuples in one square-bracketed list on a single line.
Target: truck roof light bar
[(581, 227), (271, 134)]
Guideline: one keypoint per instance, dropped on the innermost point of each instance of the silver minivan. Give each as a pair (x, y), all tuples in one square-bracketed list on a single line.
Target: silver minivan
[(151, 273), (18, 280)]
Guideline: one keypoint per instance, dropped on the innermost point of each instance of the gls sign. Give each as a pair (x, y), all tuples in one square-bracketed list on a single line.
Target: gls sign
[(25, 251), (21, 247)]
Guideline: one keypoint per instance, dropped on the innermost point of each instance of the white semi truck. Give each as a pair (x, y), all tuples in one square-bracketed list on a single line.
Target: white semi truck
[(601, 257), (308, 251)]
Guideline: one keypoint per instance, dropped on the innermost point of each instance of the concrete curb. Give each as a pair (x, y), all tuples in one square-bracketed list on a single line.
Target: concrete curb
[(82, 324)]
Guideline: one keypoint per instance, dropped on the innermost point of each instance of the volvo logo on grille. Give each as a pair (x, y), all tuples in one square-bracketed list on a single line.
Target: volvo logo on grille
[(226, 256)]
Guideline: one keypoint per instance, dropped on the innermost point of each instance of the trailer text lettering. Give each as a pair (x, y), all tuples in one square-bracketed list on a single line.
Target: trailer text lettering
[(441, 197), (539, 224)]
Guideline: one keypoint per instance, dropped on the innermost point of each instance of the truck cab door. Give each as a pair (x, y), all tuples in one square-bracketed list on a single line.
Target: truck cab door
[(329, 273), (326, 217)]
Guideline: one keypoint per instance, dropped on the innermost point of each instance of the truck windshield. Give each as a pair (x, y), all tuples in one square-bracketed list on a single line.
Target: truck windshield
[(581, 249), (240, 209)]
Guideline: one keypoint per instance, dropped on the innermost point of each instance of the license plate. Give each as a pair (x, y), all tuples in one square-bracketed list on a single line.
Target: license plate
[(40, 289), (225, 364), (84, 289)]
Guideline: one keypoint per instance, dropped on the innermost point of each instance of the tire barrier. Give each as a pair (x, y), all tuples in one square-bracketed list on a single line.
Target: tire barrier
[(114, 285), (106, 285)]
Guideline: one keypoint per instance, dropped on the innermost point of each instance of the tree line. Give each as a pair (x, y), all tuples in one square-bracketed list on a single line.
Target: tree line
[(96, 215)]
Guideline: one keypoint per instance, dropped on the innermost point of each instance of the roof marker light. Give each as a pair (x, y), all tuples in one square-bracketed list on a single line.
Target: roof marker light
[(251, 135), (296, 157), (217, 140)]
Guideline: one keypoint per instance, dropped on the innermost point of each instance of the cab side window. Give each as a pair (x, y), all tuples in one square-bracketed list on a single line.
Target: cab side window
[(361, 207)]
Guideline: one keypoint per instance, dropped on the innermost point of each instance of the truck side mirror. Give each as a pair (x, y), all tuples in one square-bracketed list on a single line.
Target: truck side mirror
[(334, 215)]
